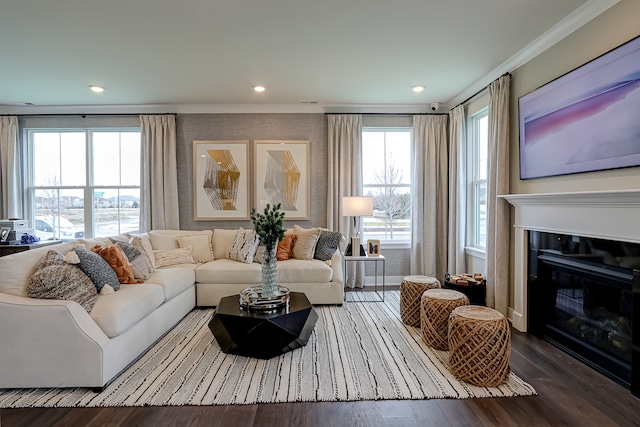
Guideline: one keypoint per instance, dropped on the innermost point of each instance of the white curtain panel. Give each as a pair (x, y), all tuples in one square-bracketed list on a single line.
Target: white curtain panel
[(498, 220), (159, 181), (457, 190), (345, 179), (10, 180), (429, 201)]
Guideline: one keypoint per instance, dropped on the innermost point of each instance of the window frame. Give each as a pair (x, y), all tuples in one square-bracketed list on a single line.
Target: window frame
[(386, 243), (89, 188), (474, 181)]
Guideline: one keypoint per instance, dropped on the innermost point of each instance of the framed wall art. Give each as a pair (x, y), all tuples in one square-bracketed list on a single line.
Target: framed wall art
[(221, 180), (282, 176), (585, 120)]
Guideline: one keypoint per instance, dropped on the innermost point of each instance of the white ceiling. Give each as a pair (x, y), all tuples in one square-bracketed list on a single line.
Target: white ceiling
[(333, 53)]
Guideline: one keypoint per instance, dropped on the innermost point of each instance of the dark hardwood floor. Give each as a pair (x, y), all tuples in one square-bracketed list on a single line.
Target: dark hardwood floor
[(570, 394)]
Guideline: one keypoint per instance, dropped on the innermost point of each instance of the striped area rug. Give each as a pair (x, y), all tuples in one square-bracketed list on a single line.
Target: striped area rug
[(360, 351)]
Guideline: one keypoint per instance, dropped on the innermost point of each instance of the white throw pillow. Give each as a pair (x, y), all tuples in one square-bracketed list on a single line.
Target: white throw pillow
[(222, 241), (201, 249), (244, 246), (173, 257), (143, 244), (305, 244)]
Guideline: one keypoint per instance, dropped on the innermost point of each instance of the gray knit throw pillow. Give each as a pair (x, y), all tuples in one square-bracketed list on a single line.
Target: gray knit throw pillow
[(52, 278), (98, 270), (327, 244)]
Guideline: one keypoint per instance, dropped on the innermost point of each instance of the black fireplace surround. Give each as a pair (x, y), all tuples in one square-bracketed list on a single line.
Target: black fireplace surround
[(584, 297)]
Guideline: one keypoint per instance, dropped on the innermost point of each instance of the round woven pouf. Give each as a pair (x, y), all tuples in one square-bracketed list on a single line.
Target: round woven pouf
[(479, 345), (411, 290), (435, 307)]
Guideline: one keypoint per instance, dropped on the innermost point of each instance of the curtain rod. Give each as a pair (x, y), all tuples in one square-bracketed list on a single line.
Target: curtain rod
[(91, 114), (390, 114), (480, 91)]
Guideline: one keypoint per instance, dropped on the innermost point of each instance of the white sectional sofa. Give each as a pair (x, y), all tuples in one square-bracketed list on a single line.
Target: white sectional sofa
[(57, 343)]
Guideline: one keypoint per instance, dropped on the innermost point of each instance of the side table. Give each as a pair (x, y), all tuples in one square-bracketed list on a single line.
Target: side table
[(8, 249), (375, 260)]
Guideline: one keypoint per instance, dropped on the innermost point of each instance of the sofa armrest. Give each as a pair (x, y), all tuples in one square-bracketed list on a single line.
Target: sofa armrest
[(47, 343), (337, 265)]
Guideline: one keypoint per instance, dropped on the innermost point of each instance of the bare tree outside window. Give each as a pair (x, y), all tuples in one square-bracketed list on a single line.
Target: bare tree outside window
[(390, 202)]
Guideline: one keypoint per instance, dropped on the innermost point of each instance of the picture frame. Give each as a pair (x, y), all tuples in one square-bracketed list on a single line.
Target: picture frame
[(373, 247), (4, 233), (282, 176), (221, 180), (584, 120)]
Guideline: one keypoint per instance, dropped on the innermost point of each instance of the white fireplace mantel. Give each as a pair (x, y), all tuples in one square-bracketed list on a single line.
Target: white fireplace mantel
[(613, 215)]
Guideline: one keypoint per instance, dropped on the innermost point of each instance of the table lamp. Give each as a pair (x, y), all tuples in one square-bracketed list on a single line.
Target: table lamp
[(356, 206)]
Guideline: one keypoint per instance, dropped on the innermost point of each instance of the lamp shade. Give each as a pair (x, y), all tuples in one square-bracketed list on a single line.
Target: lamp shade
[(357, 206)]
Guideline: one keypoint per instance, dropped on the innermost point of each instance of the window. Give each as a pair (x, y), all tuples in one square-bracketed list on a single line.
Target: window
[(84, 181), (478, 150), (386, 173)]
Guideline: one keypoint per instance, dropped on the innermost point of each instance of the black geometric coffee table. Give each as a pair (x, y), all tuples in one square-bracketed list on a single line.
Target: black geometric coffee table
[(263, 335)]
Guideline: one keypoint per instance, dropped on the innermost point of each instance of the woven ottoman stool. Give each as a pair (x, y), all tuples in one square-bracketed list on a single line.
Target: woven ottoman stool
[(435, 307), (479, 345), (411, 290)]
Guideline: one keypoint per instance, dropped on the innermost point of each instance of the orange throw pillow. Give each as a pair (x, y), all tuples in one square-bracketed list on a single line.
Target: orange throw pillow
[(117, 259), (285, 247)]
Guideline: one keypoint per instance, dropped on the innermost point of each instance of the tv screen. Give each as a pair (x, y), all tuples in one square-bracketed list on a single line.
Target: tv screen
[(585, 120)]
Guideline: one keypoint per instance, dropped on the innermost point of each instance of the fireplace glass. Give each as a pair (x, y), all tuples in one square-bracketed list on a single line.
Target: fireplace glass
[(581, 298)]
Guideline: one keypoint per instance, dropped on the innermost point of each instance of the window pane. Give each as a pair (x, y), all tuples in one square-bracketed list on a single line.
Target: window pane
[(130, 158), (59, 214), (483, 147), (386, 171), (58, 159), (106, 158), (481, 210), (116, 211)]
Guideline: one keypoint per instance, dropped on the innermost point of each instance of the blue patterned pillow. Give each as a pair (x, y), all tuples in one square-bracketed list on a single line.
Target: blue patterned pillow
[(327, 245), (98, 270)]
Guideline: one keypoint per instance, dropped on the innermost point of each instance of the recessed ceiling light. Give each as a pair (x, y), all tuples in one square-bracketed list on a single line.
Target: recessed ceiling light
[(259, 88), (418, 89), (96, 89)]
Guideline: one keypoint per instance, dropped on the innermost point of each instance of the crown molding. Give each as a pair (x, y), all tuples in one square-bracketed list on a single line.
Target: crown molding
[(562, 29)]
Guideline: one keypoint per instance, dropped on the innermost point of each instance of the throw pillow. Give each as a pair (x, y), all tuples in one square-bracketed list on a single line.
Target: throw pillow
[(143, 244), (327, 244), (52, 278), (306, 242), (244, 246), (173, 257), (117, 259), (285, 247), (129, 250), (136, 260), (259, 254), (98, 270), (201, 249), (222, 241)]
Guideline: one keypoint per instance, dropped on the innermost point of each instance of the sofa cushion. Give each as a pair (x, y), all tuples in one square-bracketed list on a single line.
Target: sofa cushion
[(306, 242), (244, 246), (164, 240), (53, 278), (327, 245), (15, 269), (222, 241), (174, 280), (229, 272), (201, 249), (116, 313), (303, 271)]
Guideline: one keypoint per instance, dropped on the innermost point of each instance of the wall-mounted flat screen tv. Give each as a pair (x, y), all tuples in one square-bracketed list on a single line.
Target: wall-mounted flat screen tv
[(586, 120)]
